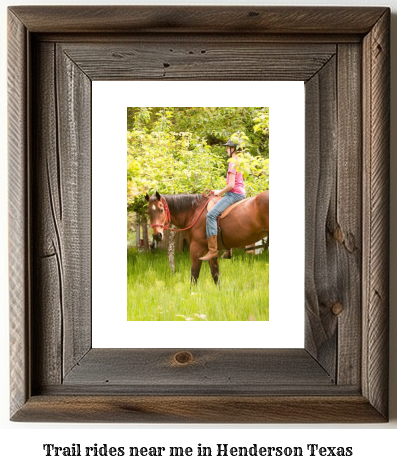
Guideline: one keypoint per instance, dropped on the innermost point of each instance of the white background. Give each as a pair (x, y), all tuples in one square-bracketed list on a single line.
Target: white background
[(286, 326), (374, 445)]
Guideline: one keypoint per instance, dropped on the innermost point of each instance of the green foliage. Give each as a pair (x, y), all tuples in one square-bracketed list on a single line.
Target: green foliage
[(261, 121), (255, 169), (241, 139), (169, 162), (154, 293), (180, 150)]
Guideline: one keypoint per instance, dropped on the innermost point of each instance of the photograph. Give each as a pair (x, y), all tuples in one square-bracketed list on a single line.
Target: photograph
[(198, 191)]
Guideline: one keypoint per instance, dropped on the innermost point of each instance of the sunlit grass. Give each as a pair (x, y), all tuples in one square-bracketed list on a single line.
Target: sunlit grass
[(154, 293)]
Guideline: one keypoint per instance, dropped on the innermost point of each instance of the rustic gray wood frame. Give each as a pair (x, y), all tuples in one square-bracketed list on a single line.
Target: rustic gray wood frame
[(342, 54)]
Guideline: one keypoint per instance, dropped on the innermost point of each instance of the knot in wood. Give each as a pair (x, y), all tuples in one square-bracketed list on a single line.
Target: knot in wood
[(337, 308), (338, 235), (183, 358)]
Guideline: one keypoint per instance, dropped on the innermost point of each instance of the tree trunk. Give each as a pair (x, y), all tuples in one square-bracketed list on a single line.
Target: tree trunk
[(138, 232), (171, 250), (145, 234)]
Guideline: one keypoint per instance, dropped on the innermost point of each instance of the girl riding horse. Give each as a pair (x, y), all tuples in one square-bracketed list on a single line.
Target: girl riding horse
[(234, 191)]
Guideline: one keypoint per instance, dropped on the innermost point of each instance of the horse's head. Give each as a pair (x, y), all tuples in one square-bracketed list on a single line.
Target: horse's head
[(159, 215)]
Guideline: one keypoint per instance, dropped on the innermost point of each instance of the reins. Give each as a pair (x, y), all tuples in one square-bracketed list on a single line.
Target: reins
[(167, 223)]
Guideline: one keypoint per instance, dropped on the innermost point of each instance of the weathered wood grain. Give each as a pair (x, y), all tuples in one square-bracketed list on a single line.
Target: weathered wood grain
[(228, 59), (199, 19), (19, 240), (347, 226), (320, 257), (48, 295), (62, 208), (158, 38), (205, 368), (74, 134), (376, 105), (199, 409)]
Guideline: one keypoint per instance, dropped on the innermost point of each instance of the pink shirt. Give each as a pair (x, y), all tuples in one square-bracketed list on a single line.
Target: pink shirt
[(238, 181)]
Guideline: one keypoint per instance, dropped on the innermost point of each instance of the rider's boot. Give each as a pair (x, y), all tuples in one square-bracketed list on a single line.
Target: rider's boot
[(212, 248)]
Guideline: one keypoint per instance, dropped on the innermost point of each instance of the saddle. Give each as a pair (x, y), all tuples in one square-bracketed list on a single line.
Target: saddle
[(227, 211), (215, 199)]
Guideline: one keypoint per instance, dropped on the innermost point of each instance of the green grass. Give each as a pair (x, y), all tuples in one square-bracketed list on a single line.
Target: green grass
[(154, 293)]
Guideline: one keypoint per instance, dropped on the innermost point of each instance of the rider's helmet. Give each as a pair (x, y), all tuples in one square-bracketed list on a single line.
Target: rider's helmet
[(236, 142), (231, 143)]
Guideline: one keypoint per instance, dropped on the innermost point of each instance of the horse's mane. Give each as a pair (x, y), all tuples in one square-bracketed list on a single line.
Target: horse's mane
[(181, 203)]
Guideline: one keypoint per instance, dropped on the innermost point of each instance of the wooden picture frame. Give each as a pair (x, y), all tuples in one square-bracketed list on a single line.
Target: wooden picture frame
[(342, 54)]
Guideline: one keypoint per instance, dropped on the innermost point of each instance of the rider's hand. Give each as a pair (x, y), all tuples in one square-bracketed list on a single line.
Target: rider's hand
[(216, 192)]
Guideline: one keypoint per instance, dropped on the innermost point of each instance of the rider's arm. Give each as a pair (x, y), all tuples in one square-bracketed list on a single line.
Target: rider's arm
[(228, 187)]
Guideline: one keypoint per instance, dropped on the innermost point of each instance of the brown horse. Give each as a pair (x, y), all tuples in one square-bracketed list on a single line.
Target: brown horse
[(245, 225)]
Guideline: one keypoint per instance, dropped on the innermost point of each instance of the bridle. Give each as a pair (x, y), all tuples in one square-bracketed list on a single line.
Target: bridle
[(166, 224)]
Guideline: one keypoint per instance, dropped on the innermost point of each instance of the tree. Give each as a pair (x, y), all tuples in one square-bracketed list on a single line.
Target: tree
[(168, 162)]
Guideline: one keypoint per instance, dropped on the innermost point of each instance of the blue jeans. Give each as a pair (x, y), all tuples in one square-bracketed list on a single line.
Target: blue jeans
[(229, 199)]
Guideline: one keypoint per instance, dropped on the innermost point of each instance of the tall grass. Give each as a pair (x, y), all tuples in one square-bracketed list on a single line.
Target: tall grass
[(154, 293)]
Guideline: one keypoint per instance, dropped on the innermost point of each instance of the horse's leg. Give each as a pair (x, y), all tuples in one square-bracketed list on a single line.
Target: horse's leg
[(214, 266), (196, 251), (227, 254)]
